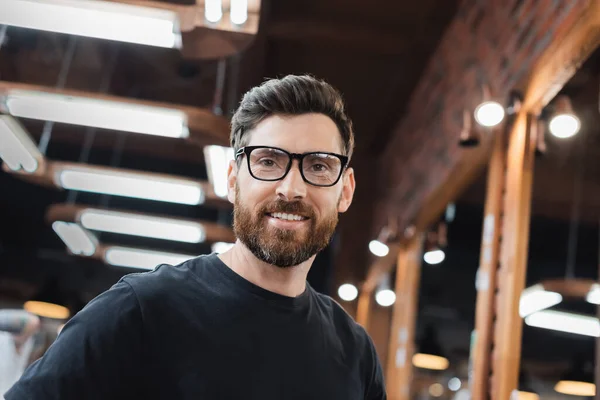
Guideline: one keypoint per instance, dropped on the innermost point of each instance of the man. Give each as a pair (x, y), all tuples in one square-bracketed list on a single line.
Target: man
[(244, 324), (17, 331)]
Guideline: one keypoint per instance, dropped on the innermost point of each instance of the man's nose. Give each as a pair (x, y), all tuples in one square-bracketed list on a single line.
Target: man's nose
[(292, 187)]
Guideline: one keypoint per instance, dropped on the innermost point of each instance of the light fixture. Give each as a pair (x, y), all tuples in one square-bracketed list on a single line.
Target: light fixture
[(454, 384), (578, 379), (77, 240), (564, 123), (213, 10), (430, 361), (469, 137), (347, 292), (217, 162), (221, 247), (565, 322), (46, 310), (142, 225), (489, 113), (536, 298), (97, 19), (593, 296), (86, 178), (430, 355), (522, 395), (17, 149), (140, 258), (238, 12), (48, 302), (99, 113), (434, 256), (436, 389), (378, 248), (385, 297)]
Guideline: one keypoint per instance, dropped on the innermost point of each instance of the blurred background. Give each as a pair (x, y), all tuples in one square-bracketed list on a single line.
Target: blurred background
[(114, 134)]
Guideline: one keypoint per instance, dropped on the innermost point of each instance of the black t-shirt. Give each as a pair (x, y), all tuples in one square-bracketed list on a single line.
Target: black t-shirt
[(200, 331)]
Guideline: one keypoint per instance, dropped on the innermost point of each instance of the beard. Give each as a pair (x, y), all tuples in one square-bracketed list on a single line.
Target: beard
[(282, 247)]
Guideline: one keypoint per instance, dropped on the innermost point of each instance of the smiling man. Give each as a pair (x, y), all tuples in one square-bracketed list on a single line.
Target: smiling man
[(244, 324)]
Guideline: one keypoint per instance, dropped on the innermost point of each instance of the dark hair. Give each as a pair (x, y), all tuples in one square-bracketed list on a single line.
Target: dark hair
[(291, 95)]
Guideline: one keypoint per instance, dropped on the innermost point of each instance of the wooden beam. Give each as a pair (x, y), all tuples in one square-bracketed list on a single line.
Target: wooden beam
[(364, 308), (404, 315), (486, 275)]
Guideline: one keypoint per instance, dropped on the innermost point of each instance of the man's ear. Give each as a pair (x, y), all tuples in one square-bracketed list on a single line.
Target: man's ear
[(232, 171), (349, 184)]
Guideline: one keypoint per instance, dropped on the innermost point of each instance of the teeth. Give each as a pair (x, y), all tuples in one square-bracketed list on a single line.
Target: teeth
[(289, 217)]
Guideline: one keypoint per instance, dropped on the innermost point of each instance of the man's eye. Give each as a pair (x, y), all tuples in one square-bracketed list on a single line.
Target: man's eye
[(266, 162)]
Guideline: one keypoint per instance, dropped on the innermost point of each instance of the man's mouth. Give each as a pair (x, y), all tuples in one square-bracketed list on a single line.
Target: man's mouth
[(287, 216)]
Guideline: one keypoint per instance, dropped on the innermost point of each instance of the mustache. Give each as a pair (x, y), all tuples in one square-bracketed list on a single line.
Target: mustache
[(294, 207)]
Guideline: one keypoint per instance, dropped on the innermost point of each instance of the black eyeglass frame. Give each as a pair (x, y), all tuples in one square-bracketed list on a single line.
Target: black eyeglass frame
[(246, 150)]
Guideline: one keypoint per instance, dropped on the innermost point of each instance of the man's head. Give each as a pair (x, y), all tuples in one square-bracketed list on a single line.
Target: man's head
[(286, 202)]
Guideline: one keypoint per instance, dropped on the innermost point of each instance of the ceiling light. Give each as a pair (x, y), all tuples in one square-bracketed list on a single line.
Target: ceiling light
[(521, 395), (385, 297), (217, 163), (77, 240), (347, 292), (47, 310), (105, 114), (565, 322), (434, 256), (564, 123), (454, 384), (564, 126), (378, 248), (593, 295), (141, 259), (141, 225), (489, 113), (536, 298), (17, 149), (239, 11), (130, 184), (430, 361), (97, 19), (575, 388), (221, 247), (436, 390), (213, 10)]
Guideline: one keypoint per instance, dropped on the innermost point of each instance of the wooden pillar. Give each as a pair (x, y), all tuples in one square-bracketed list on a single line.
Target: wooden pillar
[(486, 275), (364, 308), (404, 315), (513, 256)]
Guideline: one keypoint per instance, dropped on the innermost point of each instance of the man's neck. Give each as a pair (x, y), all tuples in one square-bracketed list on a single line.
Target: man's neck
[(290, 281)]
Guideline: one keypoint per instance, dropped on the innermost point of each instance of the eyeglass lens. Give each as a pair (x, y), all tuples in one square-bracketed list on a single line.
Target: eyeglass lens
[(272, 164)]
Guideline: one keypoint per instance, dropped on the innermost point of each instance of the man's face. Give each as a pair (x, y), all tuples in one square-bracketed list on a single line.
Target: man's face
[(258, 223)]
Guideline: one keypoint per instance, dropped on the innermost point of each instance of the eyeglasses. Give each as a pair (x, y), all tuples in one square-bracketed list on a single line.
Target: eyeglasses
[(273, 164)]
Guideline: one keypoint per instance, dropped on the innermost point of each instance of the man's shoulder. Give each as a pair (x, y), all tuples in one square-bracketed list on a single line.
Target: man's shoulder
[(165, 278), (340, 318)]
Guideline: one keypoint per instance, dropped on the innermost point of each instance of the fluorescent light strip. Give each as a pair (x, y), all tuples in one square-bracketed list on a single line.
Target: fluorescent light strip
[(17, 149), (239, 12), (565, 322), (536, 298), (131, 184), (97, 19), (593, 295), (120, 116), (140, 225), (213, 10), (217, 162), (141, 259), (79, 241)]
